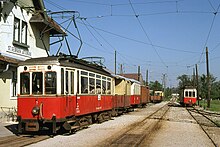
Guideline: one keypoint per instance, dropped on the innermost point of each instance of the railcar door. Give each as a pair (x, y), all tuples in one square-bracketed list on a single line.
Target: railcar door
[(70, 97)]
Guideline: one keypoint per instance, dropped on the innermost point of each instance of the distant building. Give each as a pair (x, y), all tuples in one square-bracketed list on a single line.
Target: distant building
[(134, 76), (25, 31)]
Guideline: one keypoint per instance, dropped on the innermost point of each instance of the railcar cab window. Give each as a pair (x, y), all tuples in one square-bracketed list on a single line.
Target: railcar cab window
[(25, 83), (50, 82), (37, 84)]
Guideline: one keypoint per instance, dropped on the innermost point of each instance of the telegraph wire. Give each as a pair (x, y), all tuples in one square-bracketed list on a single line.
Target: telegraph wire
[(150, 14), (92, 34), (215, 47), (100, 35), (55, 5), (138, 41), (210, 29), (105, 40), (93, 3), (211, 5), (147, 34), (145, 3)]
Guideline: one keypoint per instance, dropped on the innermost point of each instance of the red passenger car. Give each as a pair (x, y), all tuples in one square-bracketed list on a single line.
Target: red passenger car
[(189, 96), (62, 92), (145, 96)]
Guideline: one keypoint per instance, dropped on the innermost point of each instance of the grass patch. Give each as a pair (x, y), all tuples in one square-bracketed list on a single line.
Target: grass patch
[(214, 105)]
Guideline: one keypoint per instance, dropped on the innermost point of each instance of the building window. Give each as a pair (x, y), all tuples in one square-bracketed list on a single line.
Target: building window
[(20, 32), (24, 33), (16, 30)]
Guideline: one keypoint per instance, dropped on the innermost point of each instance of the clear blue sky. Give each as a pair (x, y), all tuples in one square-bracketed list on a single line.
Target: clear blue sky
[(164, 36)]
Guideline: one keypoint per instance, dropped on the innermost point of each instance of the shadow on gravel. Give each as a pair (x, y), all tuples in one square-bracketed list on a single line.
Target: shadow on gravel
[(12, 128)]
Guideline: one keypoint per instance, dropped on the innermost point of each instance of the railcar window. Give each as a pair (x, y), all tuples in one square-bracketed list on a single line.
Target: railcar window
[(62, 81), (91, 86), (190, 93), (84, 85), (72, 82), (37, 84), (67, 81), (186, 93), (98, 76), (103, 87), (50, 82), (25, 83), (84, 73), (91, 75), (98, 86), (108, 87), (194, 94), (77, 82)]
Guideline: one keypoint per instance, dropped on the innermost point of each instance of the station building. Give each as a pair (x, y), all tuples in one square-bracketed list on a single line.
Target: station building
[(25, 31)]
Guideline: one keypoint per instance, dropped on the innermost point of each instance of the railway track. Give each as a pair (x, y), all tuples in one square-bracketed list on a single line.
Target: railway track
[(22, 140), (207, 124), (137, 132)]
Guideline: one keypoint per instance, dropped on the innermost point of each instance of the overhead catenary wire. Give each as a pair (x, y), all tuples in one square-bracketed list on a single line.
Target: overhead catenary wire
[(142, 42), (161, 13), (207, 38), (147, 34)]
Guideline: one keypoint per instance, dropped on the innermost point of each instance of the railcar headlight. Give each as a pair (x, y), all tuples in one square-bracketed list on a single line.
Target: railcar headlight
[(35, 110)]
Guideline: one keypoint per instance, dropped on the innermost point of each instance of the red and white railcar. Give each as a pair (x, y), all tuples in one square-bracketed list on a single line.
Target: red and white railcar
[(189, 96), (61, 92)]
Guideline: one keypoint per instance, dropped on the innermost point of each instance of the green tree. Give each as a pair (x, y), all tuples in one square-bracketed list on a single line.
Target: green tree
[(184, 80), (155, 86), (215, 87)]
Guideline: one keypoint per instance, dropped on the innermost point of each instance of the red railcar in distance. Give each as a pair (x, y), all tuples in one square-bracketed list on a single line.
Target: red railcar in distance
[(189, 96)]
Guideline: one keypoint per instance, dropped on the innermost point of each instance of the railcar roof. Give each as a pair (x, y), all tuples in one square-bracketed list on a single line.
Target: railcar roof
[(66, 61)]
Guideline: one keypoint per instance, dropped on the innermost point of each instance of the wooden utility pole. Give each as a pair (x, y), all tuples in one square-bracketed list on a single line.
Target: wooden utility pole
[(147, 78), (208, 77), (139, 73), (115, 63), (121, 69), (164, 83), (197, 83), (194, 84)]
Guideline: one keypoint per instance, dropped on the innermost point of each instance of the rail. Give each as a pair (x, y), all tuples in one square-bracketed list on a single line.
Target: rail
[(201, 122)]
